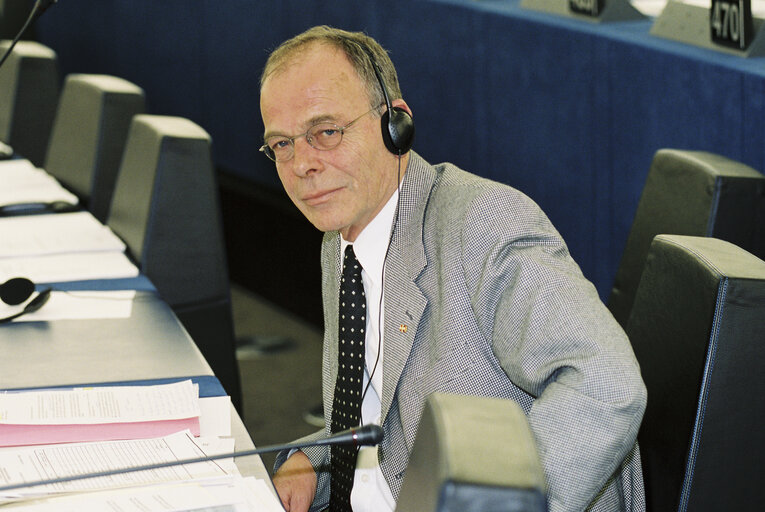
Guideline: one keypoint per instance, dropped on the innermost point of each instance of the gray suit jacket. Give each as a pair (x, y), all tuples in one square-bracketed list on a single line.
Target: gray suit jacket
[(495, 306)]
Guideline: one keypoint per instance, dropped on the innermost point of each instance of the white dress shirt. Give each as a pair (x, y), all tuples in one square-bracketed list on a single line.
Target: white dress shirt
[(371, 492)]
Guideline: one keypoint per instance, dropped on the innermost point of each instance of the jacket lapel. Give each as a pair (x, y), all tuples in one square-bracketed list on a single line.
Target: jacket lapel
[(404, 301), (330, 254)]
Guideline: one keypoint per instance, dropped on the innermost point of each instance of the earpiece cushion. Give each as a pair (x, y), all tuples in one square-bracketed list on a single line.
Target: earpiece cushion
[(397, 130), (16, 290)]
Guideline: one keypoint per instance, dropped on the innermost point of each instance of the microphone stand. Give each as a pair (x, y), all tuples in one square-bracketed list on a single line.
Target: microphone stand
[(39, 8), (368, 435)]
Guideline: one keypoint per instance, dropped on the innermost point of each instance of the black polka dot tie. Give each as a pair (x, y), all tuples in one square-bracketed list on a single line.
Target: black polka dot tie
[(346, 406)]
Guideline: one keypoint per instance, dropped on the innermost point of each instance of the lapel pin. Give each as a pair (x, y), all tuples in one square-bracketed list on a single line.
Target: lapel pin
[(402, 328)]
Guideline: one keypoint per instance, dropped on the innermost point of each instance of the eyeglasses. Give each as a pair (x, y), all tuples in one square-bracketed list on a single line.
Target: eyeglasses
[(322, 136)]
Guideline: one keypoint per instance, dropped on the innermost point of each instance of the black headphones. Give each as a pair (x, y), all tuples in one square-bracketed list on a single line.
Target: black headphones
[(17, 290), (397, 125)]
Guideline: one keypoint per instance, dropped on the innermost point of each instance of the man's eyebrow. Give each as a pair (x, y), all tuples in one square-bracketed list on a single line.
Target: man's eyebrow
[(272, 134), (322, 118)]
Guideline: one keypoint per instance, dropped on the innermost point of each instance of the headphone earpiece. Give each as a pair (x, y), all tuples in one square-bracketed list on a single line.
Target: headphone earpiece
[(397, 125), (397, 130), (17, 290)]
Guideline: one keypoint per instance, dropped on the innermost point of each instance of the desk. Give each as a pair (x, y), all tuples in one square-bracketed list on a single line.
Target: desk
[(149, 345), (570, 112)]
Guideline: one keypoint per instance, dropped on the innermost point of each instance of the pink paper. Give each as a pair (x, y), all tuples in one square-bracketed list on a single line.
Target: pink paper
[(22, 435)]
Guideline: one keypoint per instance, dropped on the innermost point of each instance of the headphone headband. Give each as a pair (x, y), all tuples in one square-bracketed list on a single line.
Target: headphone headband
[(396, 124)]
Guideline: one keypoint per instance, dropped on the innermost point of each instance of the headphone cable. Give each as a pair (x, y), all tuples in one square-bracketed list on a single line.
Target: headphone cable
[(382, 290)]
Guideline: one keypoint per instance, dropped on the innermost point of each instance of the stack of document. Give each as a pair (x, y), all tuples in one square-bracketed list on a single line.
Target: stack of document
[(216, 484), (98, 413), (40, 235), (61, 247), (124, 427), (58, 247), (227, 494), (21, 183)]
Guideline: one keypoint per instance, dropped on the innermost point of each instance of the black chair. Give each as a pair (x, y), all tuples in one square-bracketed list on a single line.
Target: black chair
[(690, 193), (473, 454), (29, 90), (698, 331), (88, 136), (166, 209)]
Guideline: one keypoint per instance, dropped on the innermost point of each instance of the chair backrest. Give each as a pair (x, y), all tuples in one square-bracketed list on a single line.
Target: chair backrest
[(698, 331), (166, 209), (29, 89), (473, 454), (88, 136), (690, 193)]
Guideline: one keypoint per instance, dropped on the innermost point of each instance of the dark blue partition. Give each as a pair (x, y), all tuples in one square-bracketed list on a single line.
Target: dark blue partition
[(570, 112)]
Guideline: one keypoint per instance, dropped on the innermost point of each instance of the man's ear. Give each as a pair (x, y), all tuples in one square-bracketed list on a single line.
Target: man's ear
[(400, 103)]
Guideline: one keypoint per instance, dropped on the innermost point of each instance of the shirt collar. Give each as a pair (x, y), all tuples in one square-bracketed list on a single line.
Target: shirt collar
[(372, 243)]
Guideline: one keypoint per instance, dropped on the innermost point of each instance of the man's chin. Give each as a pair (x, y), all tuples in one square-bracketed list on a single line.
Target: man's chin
[(325, 225)]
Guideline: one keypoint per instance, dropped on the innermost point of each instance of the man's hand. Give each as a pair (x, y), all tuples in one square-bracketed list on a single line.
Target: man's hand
[(296, 483)]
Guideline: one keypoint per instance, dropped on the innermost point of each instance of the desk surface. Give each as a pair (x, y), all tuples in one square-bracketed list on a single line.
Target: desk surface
[(149, 345)]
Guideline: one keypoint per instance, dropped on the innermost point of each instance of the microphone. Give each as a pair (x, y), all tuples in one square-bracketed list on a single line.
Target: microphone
[(42, 5), (367, 435)]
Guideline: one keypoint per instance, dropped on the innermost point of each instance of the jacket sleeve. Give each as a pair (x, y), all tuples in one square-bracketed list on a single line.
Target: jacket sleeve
[(554, 339), (319, 457)]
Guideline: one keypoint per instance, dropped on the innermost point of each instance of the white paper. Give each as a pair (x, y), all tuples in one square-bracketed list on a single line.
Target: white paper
[(59, 268), (78, 305), (35, 235), (154, 498), (32, 464), (21, 182), (649, 7), (97, 405), (215, 416), (262, 498), (14, 164), (235, 494)]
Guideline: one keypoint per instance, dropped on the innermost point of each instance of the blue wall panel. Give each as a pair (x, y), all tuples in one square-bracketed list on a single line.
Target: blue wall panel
[(569, 112)]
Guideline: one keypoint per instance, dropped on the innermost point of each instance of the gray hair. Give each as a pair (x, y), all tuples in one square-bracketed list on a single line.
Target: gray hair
[(357, 46)]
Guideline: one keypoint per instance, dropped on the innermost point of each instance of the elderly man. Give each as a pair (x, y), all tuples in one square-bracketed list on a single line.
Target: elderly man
[(467, 288)]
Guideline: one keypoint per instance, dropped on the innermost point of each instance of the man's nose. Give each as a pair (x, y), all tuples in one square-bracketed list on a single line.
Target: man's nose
[(305, 158)]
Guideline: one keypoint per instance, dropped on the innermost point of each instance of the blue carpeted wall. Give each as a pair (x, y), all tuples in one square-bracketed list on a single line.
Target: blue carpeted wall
[(569, 112)]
